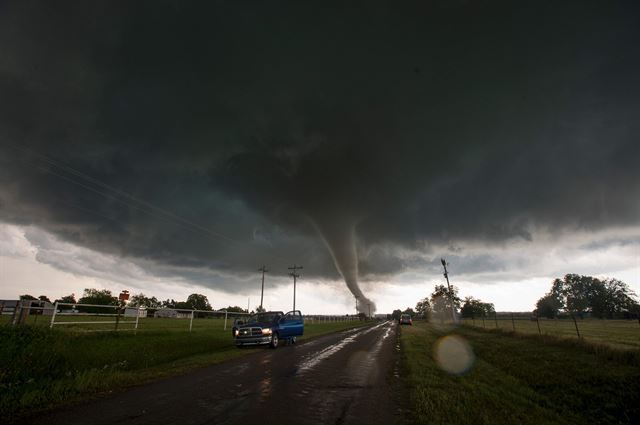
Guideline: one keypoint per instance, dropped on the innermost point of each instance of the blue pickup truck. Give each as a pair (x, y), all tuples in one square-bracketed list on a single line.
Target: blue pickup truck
[(270, 328)]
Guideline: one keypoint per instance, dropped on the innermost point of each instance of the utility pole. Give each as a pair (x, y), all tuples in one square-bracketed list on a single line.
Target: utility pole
[(369, 310), (248, 302), (356, 305), (263, 269), (446, 275), (295, 276)]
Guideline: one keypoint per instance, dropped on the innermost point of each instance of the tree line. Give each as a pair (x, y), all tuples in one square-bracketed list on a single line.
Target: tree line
[(443, 302), (105, 297), (574, 294)]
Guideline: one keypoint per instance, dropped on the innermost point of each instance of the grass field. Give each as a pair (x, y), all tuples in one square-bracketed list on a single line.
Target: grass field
[(519, 378), (40, 368), (617, 333)]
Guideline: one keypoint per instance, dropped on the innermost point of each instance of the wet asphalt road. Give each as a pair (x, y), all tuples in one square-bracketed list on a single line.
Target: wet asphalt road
[(349, 377)]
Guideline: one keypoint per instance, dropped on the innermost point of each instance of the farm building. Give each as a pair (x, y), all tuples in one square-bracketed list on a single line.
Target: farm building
[(135, 311)]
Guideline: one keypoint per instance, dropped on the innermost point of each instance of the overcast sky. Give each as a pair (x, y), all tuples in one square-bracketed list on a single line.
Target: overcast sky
[(170, 149)]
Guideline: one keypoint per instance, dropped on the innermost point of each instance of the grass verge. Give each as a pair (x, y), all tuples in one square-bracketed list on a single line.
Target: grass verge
[(526, 379), (41, 368)]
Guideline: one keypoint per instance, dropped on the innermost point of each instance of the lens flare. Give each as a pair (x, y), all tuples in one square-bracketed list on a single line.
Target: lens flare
[(453, 354)]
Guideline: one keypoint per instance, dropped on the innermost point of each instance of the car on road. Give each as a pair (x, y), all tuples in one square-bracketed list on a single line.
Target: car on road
[(405, 319), (270, 328)]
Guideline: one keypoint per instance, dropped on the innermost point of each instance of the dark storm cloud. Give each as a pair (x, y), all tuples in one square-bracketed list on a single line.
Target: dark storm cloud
[(268, 123)]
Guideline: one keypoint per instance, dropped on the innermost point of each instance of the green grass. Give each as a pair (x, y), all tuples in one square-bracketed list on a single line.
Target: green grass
[(41, 368), (516, 378), (617, 333)]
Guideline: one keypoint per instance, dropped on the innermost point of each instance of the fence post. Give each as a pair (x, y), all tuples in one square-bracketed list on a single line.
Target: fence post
[(17, 313), (137, 320), (538, 323), (225, 320), (53, 316), (191, 321), (513, 323), (576, 324), (117, 316)]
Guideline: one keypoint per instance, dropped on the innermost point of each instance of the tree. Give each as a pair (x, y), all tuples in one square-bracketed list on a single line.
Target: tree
[(610, 297), (475, 308), (260, 309), (44, 298), (423, 309), (27, 297), (169, 303), (396, 314), (442, 300), (548, 306), (198, 302), (409, 311), (141, 300), (67, 299), (97, 297), (602, 298), (236, 309)]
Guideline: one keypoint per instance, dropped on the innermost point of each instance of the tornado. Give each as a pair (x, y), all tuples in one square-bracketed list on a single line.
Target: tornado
[(339, 235)]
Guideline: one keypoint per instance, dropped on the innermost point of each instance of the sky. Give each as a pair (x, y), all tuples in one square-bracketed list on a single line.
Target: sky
[(169, 148)]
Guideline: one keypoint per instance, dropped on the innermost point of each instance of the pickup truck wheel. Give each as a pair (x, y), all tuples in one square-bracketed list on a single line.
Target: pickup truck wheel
[(274, 341), (293, 340)]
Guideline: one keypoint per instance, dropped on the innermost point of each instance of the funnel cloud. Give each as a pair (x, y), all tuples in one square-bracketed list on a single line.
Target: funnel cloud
[(340, 237)]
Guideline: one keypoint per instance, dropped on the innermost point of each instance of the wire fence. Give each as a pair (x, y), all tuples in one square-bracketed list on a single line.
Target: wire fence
[(102, 318), (96, 318), (621, 332)]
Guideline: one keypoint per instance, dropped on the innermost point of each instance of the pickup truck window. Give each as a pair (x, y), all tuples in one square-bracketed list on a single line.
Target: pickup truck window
[(293, 316), (262, 317)]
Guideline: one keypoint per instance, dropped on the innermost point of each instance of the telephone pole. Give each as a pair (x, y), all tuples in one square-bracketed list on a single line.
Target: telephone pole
[(263, 269), (356, 305), (295, 276), (446, 276)]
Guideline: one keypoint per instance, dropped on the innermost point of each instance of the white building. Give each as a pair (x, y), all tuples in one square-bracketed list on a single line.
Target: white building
[(170, 312), (133, 311)]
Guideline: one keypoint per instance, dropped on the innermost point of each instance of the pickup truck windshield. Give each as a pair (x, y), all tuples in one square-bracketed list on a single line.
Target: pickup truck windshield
[(262, 317)]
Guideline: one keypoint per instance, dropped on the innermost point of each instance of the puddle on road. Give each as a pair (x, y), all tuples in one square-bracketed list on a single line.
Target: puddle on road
[(313, 359), (265, 389)]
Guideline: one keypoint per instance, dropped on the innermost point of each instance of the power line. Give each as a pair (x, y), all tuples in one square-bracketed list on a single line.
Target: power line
[(295, 276), (119, 192), (85, 181)]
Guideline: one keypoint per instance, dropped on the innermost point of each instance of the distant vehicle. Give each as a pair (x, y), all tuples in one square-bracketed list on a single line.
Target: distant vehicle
[(270, 328), (405, 319)]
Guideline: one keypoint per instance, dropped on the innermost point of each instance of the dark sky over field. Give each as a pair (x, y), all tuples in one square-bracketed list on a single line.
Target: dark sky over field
[(230, 134)]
